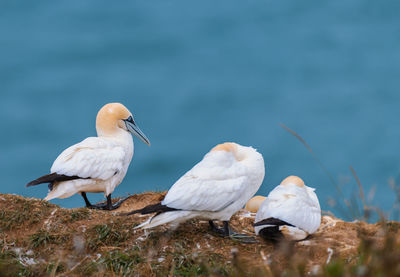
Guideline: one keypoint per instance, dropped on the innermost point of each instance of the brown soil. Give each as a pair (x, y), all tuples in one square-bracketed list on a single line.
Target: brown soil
[(39, 238)]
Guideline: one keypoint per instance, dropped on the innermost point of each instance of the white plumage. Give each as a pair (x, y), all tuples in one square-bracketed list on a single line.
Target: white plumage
[(98, 158), (291, 202), (214, 189), (104, 161), (97, 164)]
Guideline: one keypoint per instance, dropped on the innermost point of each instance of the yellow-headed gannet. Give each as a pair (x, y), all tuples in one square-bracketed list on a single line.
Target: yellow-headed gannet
[(290, 211), (97, 164), (254, 203), (214, 189)]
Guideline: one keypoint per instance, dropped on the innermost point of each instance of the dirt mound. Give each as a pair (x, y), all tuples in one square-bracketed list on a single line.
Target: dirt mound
[(39, 238)]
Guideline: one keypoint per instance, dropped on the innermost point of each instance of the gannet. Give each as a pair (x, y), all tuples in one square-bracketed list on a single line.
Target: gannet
[(290, 211), (97, 164), (254, 203), (214, 189)]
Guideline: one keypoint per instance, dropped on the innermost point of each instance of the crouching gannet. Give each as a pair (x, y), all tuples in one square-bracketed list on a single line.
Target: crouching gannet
[(214, 189), (97, 164), (290, 211), (254, 203)]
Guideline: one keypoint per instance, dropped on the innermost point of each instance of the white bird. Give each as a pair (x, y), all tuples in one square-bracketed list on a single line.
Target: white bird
[(97, 164), (214, 189), (254, 203), (290, 210)]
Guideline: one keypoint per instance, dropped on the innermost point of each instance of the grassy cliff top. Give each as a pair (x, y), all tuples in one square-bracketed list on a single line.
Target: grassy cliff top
[(41, 239)]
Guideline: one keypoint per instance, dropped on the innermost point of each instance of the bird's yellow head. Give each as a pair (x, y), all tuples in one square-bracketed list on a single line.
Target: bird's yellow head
[(254, 203), (229, 147), (114, 117), (293, 180)]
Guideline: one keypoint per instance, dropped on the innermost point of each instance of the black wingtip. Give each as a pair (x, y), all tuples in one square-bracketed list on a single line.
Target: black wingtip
[(51, 178), (272, 221), (34, 182), (155, 208), (30, 184), (130, 213), (40, 180)]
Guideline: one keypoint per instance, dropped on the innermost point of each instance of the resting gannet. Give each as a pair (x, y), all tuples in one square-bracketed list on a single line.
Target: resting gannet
[(97, 164), (254, 203), (291, 210), (214, 189)]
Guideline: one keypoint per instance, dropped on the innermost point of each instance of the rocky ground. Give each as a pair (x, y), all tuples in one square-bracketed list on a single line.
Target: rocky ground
[(41, 239)]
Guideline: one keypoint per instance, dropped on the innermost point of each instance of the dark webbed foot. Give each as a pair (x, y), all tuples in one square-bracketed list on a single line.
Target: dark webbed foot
[(220, 231), (109, 206), (226, 231), (117, 204), (243, 238), (98, 206)]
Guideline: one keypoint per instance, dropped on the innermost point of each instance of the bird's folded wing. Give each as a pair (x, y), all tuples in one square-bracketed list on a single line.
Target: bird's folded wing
[(92, 158), (297, 210), (194, 193)]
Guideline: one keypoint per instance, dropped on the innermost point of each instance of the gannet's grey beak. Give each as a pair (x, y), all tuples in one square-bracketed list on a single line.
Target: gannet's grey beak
[(134, 129)]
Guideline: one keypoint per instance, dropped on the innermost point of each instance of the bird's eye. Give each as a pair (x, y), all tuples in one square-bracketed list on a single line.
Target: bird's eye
[(130, 119)]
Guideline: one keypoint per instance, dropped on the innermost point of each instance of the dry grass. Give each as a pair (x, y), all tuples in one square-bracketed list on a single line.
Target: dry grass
[(41, 239)]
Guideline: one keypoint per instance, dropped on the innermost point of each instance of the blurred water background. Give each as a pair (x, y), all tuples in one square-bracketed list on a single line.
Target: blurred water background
[(198, 73)]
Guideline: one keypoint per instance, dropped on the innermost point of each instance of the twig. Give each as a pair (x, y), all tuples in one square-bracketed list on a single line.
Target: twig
[(310, 150), (77, 264), (362, 195), (54, 270)]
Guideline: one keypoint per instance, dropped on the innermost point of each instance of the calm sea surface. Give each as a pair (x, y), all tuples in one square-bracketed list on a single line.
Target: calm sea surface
[(198, 73)]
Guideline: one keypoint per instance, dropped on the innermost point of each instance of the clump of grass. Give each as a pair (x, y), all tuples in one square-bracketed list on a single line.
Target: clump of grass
[(186, 265), (89, 269), (379, 258), (105, 235), (25, 212), (11, 266), (42, 238), (200, 265), (12, 219), (69, 216), (186, 262), (79, 214), (55, 267), (154, 240), (122, 263)]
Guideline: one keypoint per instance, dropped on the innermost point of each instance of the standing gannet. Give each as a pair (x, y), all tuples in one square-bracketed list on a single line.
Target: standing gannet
[(291, 210), (97, 164), (214, 189)]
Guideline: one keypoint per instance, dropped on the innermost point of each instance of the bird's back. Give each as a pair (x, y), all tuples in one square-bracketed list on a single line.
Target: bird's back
[(293, 205), (214, 183)]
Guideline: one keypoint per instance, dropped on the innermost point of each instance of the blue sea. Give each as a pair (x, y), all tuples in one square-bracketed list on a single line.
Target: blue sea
[(198, 73)]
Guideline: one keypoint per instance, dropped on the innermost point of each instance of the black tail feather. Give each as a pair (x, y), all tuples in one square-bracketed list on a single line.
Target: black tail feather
[(51, 178), (155, 208), (271, 233), (272, 221)]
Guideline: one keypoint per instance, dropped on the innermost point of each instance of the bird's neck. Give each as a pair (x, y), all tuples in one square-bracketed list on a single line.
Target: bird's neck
[(119, 135)]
